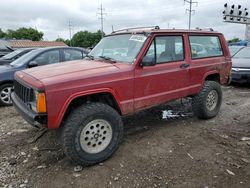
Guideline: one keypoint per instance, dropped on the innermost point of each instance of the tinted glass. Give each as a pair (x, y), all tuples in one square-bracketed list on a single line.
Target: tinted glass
[(205, 46), (48, 57), (168, 49), (70, 54)]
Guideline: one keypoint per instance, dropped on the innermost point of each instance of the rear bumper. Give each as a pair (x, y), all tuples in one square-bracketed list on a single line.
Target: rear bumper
[(35, 119), (240, 77)]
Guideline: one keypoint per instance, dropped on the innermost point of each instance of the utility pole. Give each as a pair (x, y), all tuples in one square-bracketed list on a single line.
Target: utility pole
[(70, 25), (190, 10), (101, 13)]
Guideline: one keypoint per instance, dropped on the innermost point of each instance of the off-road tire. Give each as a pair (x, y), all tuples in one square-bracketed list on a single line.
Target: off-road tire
[(74, 124), (199, 101), (2, 87)]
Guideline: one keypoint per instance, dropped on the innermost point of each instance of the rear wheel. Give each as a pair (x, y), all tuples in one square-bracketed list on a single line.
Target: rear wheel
[(5, 91), (92, 133), (207, 103)]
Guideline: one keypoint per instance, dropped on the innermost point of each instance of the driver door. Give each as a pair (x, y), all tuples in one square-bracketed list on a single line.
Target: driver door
[(168, 79)]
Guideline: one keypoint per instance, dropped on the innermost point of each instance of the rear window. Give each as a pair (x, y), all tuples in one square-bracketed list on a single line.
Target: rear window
[(205, 46)]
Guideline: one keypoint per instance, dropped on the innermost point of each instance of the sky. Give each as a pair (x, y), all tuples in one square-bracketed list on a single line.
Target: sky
[(52, 16)]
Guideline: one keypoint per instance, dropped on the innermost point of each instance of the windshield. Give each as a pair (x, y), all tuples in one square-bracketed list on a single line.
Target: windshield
[(12, 54), (26, 57), (244, 53), (234, 49), (121, 48)]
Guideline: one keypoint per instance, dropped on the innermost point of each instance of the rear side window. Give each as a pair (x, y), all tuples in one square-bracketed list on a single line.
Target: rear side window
[(70, 54), (205, 46), (166, 49)]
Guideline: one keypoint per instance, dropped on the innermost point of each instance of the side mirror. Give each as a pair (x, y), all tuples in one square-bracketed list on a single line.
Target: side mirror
[(32, 64), (148, 61)]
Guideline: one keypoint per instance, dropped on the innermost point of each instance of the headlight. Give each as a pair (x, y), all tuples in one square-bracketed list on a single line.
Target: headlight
[(39, 103)]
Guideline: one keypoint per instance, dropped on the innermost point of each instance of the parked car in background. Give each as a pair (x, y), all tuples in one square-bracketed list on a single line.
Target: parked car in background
[(234, 49), (241, 66), (7, 59), (5, 52), (37, 57)]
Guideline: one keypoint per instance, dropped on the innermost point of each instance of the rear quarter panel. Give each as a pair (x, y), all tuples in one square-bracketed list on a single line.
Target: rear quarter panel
[(203, 67)]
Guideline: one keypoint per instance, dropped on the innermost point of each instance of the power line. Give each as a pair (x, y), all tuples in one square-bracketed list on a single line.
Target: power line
[(190, 10), (101, 13)]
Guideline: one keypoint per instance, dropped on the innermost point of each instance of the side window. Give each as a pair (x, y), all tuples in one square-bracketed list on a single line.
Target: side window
[(166, 49), (70, 54), (48, 57), (205, 46)]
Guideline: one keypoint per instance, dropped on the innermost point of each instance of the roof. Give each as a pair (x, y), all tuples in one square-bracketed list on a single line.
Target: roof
[(36, 44), (156, 29)]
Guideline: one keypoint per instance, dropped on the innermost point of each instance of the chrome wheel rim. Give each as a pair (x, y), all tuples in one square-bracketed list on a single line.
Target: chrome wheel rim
[(5, 95), (96, 136), (212, 100)]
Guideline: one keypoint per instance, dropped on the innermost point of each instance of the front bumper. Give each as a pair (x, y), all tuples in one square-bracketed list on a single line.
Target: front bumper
[(35, 119), (240, 76)]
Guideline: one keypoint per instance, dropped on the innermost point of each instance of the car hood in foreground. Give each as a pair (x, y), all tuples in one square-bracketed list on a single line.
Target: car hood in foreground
[(73, 71), (241, 62)]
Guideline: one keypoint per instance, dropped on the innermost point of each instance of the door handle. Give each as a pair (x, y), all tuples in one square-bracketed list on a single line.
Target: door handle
[(184, 66)]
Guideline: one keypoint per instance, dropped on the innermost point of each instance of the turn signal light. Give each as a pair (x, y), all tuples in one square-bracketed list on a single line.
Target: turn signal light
[(41, 103)]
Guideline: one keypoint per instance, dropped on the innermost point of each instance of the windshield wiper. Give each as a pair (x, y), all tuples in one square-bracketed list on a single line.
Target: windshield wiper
[(90, 56), (107, 58)]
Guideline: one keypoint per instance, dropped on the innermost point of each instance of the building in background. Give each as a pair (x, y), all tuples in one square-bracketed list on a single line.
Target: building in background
[(7, 46)]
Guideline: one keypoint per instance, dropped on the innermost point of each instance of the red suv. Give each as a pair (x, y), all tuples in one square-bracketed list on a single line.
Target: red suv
[(127, 71)]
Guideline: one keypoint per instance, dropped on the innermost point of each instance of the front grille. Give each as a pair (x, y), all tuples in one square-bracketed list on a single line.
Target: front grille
[(24, 93)]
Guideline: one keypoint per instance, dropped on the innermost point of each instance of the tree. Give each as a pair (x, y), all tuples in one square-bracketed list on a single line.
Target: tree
[(2, 34), (25, 33), (86, 39), (234, 40), (66, 41)]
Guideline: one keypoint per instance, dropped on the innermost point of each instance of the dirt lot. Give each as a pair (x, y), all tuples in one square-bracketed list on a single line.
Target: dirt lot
[(180, 152)]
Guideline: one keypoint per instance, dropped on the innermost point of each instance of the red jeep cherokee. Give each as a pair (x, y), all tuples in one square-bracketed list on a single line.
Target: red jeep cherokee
[(127, 71)]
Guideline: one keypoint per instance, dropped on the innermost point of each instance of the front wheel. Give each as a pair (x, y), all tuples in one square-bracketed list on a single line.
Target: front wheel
[(5, 91), (92, 133), (207, 103)]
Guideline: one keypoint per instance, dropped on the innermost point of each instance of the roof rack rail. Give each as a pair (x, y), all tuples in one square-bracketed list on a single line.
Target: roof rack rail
[(137, 28), (204, 29)]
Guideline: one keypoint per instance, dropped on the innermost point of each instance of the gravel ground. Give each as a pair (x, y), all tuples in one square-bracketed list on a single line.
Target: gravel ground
[(178, 152)]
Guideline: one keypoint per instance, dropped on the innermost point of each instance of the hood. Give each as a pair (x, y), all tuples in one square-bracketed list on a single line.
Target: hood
[(79, 68), (6, 68), (7, 72), (241, 62)]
